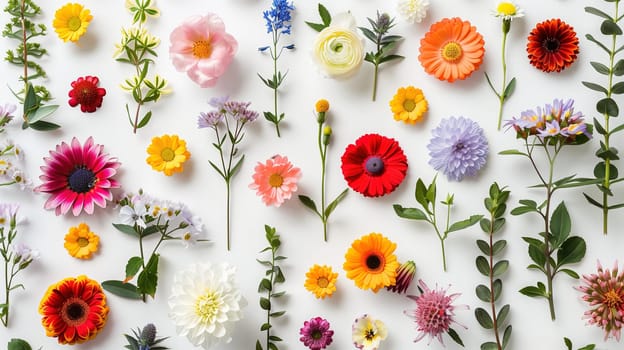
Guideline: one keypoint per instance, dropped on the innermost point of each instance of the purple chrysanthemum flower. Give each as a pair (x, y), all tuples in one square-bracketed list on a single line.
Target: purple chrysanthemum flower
[(316, 334), (434, 312), (458, 148), (278, 18)]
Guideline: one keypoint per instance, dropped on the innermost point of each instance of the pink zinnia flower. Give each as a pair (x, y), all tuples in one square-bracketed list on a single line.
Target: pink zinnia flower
[(201, 48), (275, 180), (315, 334), (604, 291), (434, 312), (77, 177)]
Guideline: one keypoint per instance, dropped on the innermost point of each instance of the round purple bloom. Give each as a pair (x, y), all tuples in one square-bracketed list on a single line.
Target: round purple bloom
[(316, 334), (458, 148)]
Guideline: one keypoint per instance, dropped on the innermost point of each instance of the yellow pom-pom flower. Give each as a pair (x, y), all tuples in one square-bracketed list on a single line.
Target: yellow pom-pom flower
[(80, 242), (409, 105), (71, 22), (321, 281), (167, 153)]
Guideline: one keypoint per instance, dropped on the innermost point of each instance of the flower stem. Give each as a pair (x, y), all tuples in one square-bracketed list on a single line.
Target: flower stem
[(492, 296), (502, 95), (323, 152), (375, 81), (227, 185), (7, 289)]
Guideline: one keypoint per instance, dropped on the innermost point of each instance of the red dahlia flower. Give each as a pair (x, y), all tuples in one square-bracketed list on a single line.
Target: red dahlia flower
[(86, 93), (552, 46)]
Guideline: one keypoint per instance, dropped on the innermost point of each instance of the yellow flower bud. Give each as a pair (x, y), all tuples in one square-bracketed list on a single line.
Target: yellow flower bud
[(322, 106)]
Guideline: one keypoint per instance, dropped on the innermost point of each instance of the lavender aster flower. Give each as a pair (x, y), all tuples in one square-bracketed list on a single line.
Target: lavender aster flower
[(278, 17), (316, 334), (209, 120), (458, 148)]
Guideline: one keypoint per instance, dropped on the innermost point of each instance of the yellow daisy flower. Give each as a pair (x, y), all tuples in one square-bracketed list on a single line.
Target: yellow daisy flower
[(321, 281), (409, 105), (80, 242), (167, 153), (71, 22)]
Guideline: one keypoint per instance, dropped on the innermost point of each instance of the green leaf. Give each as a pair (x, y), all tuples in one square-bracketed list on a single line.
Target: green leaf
[(537, 255), (597, 12), (489, 346), (498, 247), (484, 246), (608, 27), (571, 251), (148, 278), (484, 318), (568, 343), (533, 292), (617, 129), (410, 213), (570, 273), (487, 78), (432, 191), (277, 314), (18, 344), (265, 285), (124, 290), (316, 26), (460, 225), (483, 293), (133, 266), (42, 125), (592, 39), (486, 226), (599, 171), (127, 229), (331, 206), (608, 106), (595, 87), (308, 202), (511, 87), (599, 128), (560, 225), (497, 289), (325, 16), (506, 335), (265, 304), (258, 346), (500, 268), (618, 88), (588, 347), (389, 58), (237, 166), (513, 152), (145, 120), (483, 266), (501, 317), (265, 326), (421, 195), (618, 68), (41, 113), (453, 334), (592, 201), (369, 34), (599, 67)]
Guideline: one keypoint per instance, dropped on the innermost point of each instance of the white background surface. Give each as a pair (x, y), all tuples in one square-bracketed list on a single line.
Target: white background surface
[(352, 114)]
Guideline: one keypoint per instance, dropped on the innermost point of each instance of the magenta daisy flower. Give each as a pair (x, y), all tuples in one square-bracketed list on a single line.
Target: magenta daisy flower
[(434, 312), (604, 291), (77, 177), (316, 334)]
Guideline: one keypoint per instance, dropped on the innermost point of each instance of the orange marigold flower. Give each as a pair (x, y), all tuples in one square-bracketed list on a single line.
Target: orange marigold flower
[(371, 263), (552, 46), (451, 50), (321, 281)]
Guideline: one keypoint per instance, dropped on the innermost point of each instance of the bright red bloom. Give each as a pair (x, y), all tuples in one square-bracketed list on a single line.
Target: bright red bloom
[(552, 46), (374, 166), (86, 93), (77, 177)]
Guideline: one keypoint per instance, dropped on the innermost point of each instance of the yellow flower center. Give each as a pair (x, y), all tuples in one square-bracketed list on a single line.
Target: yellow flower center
[(207, 306), (167, 154), (82, 242), (451, 52), (187, 236), (506, 8), (612, 299), (202, 49), (409, 105), (2, 221), (74, 24), (276, 180), (322, 282)]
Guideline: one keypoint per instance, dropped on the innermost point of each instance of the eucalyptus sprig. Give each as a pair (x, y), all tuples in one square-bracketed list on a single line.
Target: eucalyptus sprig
[(426, 197), (568, 344), (33, 97), (138, 48), (385, 44), (607, 106), (496, 319), (144, 339), (273, 277), (142, 217)]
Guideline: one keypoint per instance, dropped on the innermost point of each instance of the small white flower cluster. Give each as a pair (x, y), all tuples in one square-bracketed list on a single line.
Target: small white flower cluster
[(143, 211), (10, 172)]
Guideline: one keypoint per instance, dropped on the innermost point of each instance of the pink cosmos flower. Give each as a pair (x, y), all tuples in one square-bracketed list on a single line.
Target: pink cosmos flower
[(77, 177), (276, 180), (604, 291), (434, 312), (201, 48)]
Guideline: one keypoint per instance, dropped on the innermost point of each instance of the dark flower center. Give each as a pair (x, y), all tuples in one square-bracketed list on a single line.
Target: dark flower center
[(74, 312), (374, 165), (370, 334), (458, 146), (81, 180), (373, 262), (551, 44), (316, 334)]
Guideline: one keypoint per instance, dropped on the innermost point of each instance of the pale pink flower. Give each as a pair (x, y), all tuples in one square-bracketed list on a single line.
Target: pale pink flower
[(604, 291), (276, 180), (434, 312), (201, 48)]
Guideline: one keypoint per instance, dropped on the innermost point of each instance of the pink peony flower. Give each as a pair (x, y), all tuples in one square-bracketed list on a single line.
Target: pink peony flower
[(276, 180), (201, 48), (604, 291)]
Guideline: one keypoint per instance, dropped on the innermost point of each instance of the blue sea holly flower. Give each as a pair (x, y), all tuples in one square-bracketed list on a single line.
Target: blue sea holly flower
[(278, 17), (458, 148)]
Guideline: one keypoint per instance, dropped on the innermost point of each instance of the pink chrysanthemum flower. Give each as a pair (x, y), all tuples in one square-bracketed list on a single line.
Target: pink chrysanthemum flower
[(315, 333), (201, 48), (77, 177), (604, 291), (434, 312), (276, 180)]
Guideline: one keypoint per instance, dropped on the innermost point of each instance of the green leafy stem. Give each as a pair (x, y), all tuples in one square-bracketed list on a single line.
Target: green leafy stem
[(273, 276), (507, 89), (426, 197), (496, 206), (607, 106), (568, 344)]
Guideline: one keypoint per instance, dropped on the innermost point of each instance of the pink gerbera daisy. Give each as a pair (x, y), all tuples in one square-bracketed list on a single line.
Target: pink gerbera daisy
[(77, 177), (434, 312), (276, 180)]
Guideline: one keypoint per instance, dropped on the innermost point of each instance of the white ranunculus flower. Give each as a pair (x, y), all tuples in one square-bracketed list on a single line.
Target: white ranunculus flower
[(338, 50), (205, 303), (413, 10)]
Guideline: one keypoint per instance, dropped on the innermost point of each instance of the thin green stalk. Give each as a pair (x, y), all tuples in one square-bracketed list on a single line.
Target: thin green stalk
[(275, 57), (7, 287), (379, 36), (269, 292), (323, 152), (502, 96)]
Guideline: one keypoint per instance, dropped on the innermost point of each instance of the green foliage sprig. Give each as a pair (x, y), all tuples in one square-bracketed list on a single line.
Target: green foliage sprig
[(426, 197), (273, 276), (323, 140), (605, 170), (144, 339), (138, 48), (568, 344), (33, 97), (325, 19), (496, 206), (386, 44)]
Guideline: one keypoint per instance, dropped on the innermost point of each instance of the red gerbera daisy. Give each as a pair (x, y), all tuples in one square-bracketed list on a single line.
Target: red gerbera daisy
[(74, 310), (86, 93), (552, 45), (78, 177), (374, 166)]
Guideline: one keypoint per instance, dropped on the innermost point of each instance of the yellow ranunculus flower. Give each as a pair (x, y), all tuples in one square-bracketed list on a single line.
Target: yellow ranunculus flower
[(338, 49)]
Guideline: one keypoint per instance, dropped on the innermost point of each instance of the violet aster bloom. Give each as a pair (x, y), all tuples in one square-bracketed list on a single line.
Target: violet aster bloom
[(316, 334), (209, 120), (458, 148), (551, 129)]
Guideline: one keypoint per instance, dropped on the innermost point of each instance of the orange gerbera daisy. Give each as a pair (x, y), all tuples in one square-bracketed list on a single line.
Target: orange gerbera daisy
[(321, 281), (74, 310), (451, 50), (552, 45), (371, 263)]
